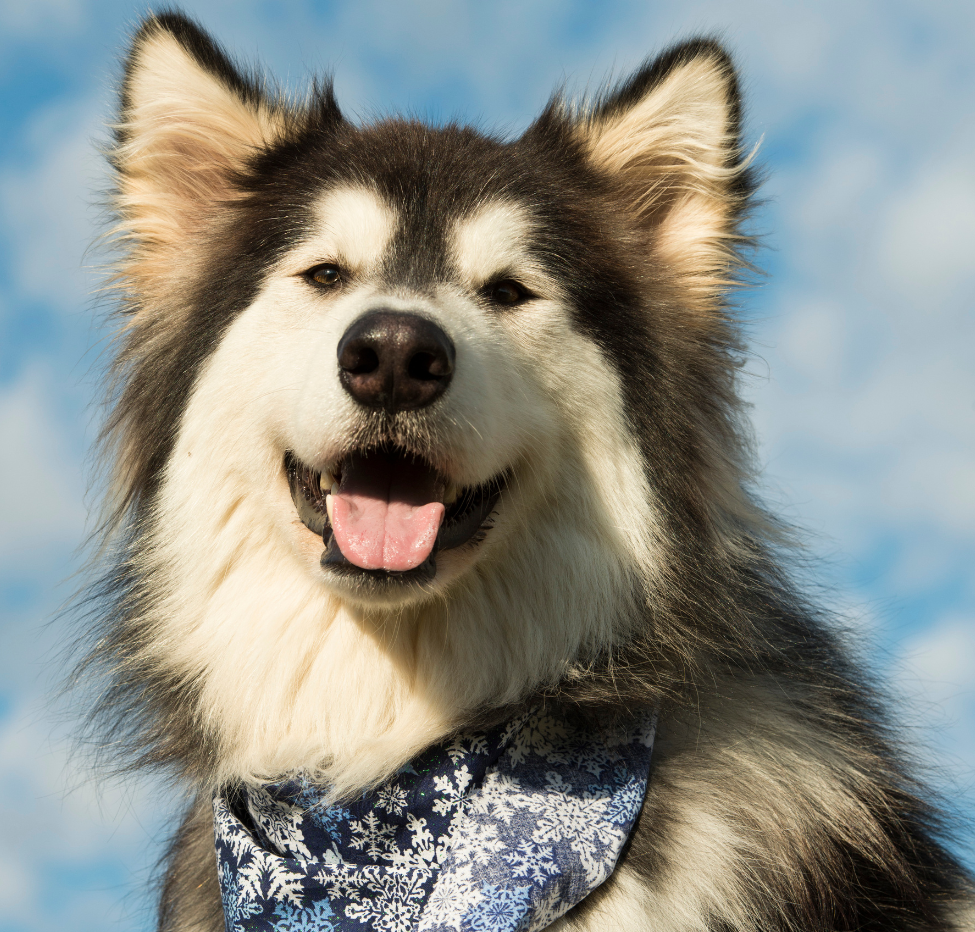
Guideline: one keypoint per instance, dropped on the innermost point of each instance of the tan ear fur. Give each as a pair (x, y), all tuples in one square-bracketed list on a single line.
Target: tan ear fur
[(674, 152), (184, 133)]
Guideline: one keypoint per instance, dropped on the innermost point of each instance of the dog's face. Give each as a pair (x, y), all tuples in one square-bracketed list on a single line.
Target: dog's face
[(412, 384), (407, 393)]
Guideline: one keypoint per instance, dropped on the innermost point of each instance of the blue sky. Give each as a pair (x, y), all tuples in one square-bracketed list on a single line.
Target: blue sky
[(861, 378)]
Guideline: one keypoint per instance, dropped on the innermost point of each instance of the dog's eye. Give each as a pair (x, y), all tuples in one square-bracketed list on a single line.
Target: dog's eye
[(327, 274), (507, 291)]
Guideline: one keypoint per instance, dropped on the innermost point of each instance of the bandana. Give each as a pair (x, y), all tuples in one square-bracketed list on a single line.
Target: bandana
[(495, 832)]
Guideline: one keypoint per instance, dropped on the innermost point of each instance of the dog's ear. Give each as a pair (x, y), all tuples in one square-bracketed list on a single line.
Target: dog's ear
[(669, 138), (190, 122)]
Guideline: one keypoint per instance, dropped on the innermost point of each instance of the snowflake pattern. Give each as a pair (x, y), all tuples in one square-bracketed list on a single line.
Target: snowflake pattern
[(452, 790), (236, 907), (257, 874), (499, 910), (453, 887), (502, 831), (316, 918), (390, 901), (372, 836), (391, 798), (536, 862)]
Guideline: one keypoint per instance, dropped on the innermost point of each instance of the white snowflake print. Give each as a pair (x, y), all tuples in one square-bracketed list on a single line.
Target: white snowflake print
[(453, 888), (532, 861), (425, 851), (315, 918), (342, 881), (230, 830), (595, 759), (550, 907), (280, 823), (543, 735), (513, 727), (625, 800), (500, 911), (391, 798), (579, 819), (462, 747), (452, 790), (261, 875), (372, 836), (482, 834), (235, 907), (470, 839), (495, 798), (395, 901), (266, 877)]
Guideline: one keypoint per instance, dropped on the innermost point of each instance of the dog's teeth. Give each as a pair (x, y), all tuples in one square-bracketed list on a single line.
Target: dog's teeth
[(450, 494), (328, 504), (326, 481)]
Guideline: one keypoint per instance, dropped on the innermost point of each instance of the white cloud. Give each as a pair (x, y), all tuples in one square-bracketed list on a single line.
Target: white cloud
[(48, 211), (936, 674), (496, 61), (880, 403), (926, 249), (943, 659), (41, 485), (870, 409), (814, 340), (54, 814), (827, 206), (39, 18)]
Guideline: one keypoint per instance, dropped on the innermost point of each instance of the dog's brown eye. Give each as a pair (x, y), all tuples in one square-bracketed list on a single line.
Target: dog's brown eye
[(325, 274), (507, 291)]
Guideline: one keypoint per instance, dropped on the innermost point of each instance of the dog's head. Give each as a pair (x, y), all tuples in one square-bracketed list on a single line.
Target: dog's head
[(419, 377)]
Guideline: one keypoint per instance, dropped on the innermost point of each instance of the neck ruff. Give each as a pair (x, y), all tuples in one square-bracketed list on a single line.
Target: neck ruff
[(495, 832)]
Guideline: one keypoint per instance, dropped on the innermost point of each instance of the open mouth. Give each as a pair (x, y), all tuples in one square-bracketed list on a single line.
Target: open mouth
[(386, 514)]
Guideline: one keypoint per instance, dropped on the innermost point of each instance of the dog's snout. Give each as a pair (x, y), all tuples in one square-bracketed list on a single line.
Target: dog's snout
[(395, 361)]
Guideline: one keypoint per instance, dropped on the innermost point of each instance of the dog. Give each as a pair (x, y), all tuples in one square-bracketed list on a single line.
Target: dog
[(422, 439)]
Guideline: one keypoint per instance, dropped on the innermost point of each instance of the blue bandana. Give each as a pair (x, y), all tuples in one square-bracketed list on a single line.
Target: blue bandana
[(495, 832)]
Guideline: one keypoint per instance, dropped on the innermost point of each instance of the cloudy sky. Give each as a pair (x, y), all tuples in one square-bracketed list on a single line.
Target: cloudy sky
[(861, 378)]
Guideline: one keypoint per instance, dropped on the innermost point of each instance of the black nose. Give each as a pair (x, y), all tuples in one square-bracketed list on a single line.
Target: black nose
[(395, 361)]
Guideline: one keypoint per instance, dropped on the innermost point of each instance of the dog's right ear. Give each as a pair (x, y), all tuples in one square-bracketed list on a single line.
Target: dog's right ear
[(189, 124), (669, 138)]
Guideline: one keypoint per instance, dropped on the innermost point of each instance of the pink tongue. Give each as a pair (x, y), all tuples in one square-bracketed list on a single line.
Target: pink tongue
[(386, 513)]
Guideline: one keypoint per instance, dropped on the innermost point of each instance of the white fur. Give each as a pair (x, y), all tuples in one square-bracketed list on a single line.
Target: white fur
[(354, 227), (299, 673), (688, 111), (573, 373), (964, 918), (493, 242), (670, 150), (622, 906)]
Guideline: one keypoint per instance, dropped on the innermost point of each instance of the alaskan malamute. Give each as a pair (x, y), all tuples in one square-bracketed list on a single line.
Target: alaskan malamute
[(427, 448)]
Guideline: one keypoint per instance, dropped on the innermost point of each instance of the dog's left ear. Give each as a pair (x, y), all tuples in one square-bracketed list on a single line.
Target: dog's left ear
[(669, 138)]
